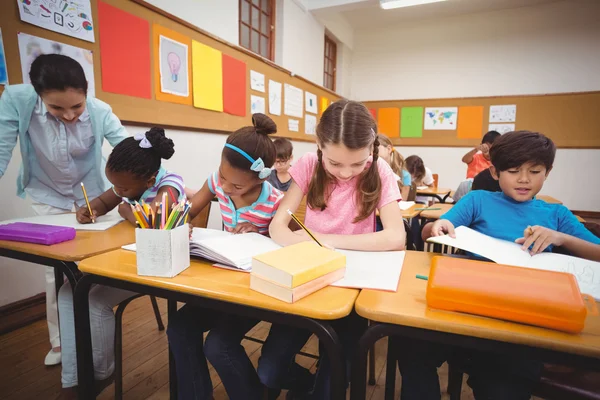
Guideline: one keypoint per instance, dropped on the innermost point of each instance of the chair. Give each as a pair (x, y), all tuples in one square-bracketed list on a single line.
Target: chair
[(200, 221), (412, 193)]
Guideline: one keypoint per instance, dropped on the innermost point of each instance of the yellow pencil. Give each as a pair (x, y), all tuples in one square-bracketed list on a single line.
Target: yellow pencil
[(87, 201), (304, 227)]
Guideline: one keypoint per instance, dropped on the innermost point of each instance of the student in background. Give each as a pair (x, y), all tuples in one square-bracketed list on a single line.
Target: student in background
[(421, 175), (478, 159), (485, 181), (248, 202), (280, 177), (521, 161), (133, 181), (134, 168), (396, 161), (345, 182), (60, 132)]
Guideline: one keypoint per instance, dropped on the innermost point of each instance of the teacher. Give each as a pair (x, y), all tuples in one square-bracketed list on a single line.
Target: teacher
[(60, 132)]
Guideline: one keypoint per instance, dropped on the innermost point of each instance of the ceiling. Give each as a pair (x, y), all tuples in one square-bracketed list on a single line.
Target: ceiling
[(362, 14)]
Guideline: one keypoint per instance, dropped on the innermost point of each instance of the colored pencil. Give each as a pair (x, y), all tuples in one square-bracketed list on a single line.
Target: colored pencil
[(87, 201)]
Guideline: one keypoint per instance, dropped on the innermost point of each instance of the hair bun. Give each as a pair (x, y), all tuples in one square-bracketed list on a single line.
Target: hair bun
[(263, 124), (160, 143)]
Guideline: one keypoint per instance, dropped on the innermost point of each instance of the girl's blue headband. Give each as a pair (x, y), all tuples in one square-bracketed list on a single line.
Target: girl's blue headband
[(258, 165)]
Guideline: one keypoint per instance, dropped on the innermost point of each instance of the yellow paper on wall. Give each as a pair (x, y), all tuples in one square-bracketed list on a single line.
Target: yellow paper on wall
[(207, 73), (324, 104)]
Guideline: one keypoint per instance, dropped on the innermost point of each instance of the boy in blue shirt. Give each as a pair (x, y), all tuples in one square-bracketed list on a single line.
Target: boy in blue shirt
[(521, 162)]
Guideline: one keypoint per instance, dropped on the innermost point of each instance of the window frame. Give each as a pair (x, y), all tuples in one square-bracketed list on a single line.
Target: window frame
[(251, 28), (330, 60)]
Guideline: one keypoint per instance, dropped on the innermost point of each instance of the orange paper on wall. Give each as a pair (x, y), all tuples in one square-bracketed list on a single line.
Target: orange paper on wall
[(373, 113), (389, 122), (234, 86), (174, 82), (470, 122)]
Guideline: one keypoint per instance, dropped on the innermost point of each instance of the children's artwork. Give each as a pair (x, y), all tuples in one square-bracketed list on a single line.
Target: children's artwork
[(257, 104), (257, 81), (30, 47), (389, 121), (207, 77), (411, 122), (3, 70), (234, 86), (501, 128), (441, 118), (310, 124), (324, 104), (69, 17), (275, 89), (124, 52), (293, 125), (172, 65), (292, 101), (311, 102), (470, 122), (504, 113)]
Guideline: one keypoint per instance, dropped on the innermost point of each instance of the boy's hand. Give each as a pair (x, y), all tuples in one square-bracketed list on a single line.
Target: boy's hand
[(244, 227), (442, 227), (540, 238), (83, 215)]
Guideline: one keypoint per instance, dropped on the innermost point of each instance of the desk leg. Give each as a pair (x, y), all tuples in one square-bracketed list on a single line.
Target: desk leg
[(358, 386), (83, 338), (171, 310)]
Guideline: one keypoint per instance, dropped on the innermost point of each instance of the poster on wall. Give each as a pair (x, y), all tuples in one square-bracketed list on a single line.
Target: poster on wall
[(257, 104), (311, 102), (292, 101), (501, 128), (174, 74), (3, 70), (275, 97), (30, 47), (257, 81), (441, 118), (69, 17), (310, 124), (504, 113)]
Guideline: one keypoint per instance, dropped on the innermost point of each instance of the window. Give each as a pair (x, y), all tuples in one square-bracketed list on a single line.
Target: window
[(330, 63), (256, 26)]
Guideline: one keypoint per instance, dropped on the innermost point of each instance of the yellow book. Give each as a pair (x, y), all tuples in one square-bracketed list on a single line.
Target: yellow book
[(297, 264)]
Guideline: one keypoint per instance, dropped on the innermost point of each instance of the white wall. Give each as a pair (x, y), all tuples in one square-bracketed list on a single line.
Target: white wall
[(219, 17)]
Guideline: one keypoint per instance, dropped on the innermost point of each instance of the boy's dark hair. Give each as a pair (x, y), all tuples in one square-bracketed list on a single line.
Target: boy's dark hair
[(490, 137), (415, 166), (56, 72), (128, 156), (514, 149), (255, 141), (284, 148)]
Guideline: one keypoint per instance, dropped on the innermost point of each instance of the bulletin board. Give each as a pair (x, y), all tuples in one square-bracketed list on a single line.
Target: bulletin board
[(151, 111), (570, 119)]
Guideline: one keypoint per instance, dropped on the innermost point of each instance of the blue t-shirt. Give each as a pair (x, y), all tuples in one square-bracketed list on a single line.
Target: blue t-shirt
[(406, 180), (497, 215)]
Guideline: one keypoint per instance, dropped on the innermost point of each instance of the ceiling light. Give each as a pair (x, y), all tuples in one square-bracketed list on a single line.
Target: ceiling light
[(389, 4)]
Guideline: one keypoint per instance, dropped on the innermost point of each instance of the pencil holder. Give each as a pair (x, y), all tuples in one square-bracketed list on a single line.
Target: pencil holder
[(162, 252)]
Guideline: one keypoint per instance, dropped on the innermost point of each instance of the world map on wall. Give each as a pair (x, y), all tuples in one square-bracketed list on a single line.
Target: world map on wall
[(440, 118)]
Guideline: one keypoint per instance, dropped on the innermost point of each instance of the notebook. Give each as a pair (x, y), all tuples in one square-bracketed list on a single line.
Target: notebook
[(68, 220), (586, 272), (379, 270), (405, 205), (36, 233)]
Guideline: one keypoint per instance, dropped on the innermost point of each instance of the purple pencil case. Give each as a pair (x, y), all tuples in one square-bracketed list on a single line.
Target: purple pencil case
[(36, 233)]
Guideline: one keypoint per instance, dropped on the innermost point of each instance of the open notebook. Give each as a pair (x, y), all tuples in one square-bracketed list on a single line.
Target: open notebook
[(364, 270), (586, 272), (68, 220)]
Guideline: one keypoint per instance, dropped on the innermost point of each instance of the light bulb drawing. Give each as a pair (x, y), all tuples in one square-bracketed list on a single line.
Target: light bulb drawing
[(174, 65)]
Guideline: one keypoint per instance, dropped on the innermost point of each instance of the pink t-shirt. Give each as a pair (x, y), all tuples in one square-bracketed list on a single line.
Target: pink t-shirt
[(338, 216)]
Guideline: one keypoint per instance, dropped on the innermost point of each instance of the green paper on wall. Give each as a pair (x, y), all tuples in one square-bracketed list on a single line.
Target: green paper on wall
[(411, 122)]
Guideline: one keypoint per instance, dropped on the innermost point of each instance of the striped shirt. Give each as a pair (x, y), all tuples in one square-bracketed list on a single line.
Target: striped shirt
[(163, 178), (259, 214)]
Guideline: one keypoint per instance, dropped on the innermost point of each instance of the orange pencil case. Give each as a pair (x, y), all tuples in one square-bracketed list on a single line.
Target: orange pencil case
[(542, 298)]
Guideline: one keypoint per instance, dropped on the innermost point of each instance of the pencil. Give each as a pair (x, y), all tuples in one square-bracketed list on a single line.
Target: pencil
[(165, 210), (304, 227), (530, 230), (172, 194), (87, 201)]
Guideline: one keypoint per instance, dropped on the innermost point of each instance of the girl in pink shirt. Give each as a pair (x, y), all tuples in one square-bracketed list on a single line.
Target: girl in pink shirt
[(345, 182)]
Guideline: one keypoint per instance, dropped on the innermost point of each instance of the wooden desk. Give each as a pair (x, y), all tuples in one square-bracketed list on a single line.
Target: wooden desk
[(412, 212), (441, 194), (210, 287), (434, 213), (548, 199), (405, 313)]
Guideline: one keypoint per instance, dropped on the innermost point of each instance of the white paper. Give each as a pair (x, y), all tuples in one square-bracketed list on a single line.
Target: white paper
[(30, 47), (440, 118), (174, 74), (504, 113), (586, 272), (501, 128), (311, 102), (71, 17), (3, 69), (372, 270), (102, 223), (422, 187), (310, 124), (293, 125), (405, 205), (257, 104), (292, 101), (275, 91), (257, 81)]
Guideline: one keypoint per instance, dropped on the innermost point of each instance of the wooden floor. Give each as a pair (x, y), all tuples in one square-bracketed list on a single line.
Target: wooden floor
[(145, 364)]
